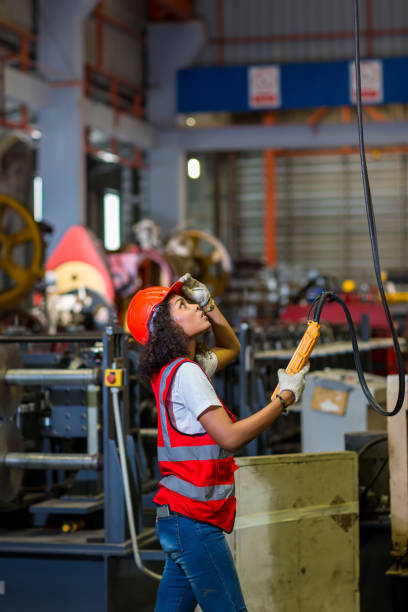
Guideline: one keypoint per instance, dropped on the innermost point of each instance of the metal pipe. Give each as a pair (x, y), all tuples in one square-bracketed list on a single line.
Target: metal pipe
[(53, 338), (148, 432), (126, 485), (94, 427), (49, 461), (52, 377), (305, 36)]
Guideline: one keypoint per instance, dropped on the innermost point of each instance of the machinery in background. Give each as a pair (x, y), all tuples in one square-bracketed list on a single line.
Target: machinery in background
[(83, 287), (396, 287), (373, 474), (63, 511), (21, 248), (256, 378), (62, 507), (21, 238), (334, 415), (333, 405), (79, 292), (377, 589), (206, 257), (89, 288)]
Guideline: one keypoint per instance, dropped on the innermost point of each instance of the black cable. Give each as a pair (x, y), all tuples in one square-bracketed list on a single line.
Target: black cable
[(320, 302), (374, 245), (317, 305), (312, 306), (328, 295), (370, 444), (362, 452), (374, 479)]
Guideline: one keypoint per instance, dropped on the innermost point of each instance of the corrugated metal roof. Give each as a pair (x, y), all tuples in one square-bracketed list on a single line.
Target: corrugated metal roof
[(122, 53), (331, 22), (19, 13)]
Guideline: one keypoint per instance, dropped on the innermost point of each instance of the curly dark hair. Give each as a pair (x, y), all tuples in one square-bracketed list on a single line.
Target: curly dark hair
[(167, 341)]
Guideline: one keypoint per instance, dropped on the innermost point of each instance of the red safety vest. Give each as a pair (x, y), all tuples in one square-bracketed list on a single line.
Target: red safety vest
[(198, 475)]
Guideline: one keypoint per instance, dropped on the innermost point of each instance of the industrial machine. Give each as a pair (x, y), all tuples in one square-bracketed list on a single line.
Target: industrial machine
[(19, 235), (90, 288), (65, 518), (79, 285), (333, 405)]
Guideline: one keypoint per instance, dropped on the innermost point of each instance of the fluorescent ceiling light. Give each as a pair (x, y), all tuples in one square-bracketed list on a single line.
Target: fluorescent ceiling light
[(111, 221), (38, 198), (193, 168)]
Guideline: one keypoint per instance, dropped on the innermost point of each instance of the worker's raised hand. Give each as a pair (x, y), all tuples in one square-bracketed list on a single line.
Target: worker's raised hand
[(194, 291), (293, 382)]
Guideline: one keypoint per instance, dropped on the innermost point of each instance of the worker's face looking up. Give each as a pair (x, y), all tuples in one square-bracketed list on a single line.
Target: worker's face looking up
[(189, 317)]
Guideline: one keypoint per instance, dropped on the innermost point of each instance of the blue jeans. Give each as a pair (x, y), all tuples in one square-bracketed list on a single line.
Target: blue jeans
[(199, 568)]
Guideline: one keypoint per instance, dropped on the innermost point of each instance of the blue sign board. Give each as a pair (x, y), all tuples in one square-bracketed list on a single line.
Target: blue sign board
[(309, 85)]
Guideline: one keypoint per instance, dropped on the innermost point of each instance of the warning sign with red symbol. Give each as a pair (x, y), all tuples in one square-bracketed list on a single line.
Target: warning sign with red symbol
[(264, 87), (372, 89)]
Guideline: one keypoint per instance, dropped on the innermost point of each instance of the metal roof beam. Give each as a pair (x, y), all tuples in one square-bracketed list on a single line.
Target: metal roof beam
[(26, 88), (35, 93), (259, 137), (123, 127)]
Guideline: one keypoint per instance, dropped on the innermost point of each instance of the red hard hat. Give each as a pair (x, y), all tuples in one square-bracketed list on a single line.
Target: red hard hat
[(142, 306)]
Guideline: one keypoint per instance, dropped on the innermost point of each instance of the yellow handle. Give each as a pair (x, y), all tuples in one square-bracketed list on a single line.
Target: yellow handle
[(303, 351)]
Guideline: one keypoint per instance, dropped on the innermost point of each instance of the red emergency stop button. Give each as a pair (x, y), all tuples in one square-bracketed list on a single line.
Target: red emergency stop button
[(114, 378)]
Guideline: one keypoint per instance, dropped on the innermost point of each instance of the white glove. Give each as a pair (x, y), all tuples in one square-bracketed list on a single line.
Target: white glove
[(194, 291), (293, 382)]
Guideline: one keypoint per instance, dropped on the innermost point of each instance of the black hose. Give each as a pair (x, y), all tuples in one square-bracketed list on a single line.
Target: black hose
[(370, 444), (318, 304), (374, 479), (312, 305), (374, 248), (362, 452)]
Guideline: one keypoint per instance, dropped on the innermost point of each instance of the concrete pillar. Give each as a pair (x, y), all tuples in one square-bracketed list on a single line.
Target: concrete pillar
[(61, 160), (167, 184), (171, 46)]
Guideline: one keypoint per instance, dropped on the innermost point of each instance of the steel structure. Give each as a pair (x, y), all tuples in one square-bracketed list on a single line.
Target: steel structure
[(75, 412)]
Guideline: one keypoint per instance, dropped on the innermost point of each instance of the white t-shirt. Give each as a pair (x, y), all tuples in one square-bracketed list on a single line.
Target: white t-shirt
[(192, 393)]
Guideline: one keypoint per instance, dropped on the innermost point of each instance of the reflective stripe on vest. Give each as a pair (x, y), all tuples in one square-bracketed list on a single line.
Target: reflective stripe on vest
[(182, 448), (187, 453), (163, 383), (200, 493)]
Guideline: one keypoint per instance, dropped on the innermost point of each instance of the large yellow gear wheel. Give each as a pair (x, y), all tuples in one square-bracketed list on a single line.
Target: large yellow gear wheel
[(17, 280)]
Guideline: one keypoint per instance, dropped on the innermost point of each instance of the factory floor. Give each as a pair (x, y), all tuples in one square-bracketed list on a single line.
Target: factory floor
[(82, 584), (136, 592)]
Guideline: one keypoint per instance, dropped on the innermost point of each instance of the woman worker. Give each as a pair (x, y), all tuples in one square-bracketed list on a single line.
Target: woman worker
[(197, 436)]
